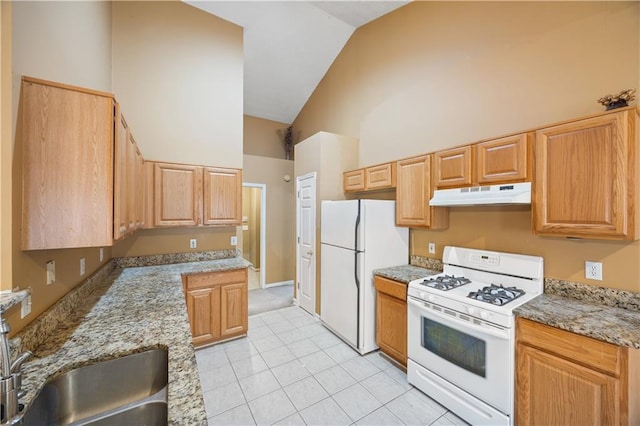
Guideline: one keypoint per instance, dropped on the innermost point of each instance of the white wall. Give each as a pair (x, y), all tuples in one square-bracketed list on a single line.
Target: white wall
[(178, 74)]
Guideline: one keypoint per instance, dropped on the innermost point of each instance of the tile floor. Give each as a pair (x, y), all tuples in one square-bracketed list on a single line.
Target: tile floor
[(290, 370)]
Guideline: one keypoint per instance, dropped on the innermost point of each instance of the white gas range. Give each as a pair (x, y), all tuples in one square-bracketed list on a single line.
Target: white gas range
[(461, 334)]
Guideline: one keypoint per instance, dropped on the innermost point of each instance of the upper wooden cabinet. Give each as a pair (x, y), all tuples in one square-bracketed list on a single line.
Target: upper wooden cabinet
[(503, 160), (222, 196), (353, 181), (452, 168), (128, 180), (566, 379), (188, 195), (67, 167), (177, 194), (382, 176), (413, 192), (120, 187), (584, 181)]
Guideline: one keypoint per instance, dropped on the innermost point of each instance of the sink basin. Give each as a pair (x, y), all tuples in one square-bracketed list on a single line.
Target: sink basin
[(107, 392)]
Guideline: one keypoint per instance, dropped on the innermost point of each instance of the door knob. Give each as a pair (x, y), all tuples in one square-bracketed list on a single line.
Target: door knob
[(310, 253)]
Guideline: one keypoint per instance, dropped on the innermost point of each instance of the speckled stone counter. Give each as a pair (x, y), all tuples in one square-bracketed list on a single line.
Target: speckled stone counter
[(582, 315), (128, 311), (404, 273), (7, 300)]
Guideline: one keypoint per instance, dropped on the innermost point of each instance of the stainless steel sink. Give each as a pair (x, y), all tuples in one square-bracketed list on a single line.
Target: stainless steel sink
[(127, 390)]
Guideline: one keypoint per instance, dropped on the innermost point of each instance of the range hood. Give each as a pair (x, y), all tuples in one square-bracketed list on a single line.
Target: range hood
[(513, 193)]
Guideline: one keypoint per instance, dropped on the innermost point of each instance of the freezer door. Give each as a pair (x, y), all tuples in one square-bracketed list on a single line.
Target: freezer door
[(338, 223), (340, 306)]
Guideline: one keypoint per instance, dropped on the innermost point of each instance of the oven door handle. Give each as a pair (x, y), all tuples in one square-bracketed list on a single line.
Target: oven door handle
[(497, 331)]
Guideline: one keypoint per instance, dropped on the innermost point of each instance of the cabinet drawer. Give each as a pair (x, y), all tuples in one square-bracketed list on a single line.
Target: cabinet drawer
[(215, 278), (391, 287), (580, 349), (353, 180)]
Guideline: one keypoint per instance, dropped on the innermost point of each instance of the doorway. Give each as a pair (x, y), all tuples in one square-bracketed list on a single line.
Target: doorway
[(254, 207)]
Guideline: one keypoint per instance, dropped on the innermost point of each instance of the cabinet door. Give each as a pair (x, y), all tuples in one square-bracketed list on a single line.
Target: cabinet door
[(553, 391), (233, 309), (149, 169), (353, 180), (67, 167), (177, 194), (120, 225), (503, 160), (380, 177), (131, 183), (452, 168), (203, 307), (584, 178), (391, 318), (139, 190), (413, 192), (222, 196)]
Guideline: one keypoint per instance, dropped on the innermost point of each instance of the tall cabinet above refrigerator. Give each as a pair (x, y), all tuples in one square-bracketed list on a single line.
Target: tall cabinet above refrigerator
[(357, 236)]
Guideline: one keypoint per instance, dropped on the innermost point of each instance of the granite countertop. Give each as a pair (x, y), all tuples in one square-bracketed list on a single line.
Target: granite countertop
[(612, 324), (404, 273), (132, 310)]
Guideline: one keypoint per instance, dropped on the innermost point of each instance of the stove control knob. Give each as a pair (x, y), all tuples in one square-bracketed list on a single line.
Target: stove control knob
[(484, 315), (470, 310), (422, 295), (431, 298)]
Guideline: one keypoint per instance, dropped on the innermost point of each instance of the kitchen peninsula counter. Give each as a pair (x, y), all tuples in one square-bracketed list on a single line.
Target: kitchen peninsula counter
[(613, 324), (121, 312)]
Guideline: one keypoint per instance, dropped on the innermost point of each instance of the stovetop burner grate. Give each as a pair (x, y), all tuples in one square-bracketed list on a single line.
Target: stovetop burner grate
[(496, 294), (445, 282)]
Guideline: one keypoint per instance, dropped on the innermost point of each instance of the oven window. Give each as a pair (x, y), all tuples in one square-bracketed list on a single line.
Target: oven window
[(462, 349)]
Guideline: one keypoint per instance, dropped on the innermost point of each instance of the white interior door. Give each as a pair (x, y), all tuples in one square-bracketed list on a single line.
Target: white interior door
[(306, 242)]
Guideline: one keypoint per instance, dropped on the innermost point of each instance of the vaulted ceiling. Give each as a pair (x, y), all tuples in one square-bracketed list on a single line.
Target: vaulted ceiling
[(290, 45)]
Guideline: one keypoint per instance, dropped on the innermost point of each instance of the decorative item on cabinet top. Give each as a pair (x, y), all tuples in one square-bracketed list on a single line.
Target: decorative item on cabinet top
[(382, 176), (620, 100)]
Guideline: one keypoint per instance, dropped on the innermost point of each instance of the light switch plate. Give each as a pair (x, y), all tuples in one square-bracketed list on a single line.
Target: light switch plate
[(432, 248), (82, 266), (51, 272), (193, 243), (25, 308), (101, 254), (234, 240)]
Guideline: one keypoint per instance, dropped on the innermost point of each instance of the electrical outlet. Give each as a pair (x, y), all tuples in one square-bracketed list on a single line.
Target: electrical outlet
[(593, 270), (51, 272), (101, 254), (234, 240), (193, 243), (82, 266), (432, 248), (25, 307)]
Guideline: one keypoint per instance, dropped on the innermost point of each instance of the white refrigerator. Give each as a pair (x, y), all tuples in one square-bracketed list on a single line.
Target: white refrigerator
[(356, 236)]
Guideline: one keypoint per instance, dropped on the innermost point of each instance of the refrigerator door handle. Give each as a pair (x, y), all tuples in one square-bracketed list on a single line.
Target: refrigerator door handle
[(357, 278)]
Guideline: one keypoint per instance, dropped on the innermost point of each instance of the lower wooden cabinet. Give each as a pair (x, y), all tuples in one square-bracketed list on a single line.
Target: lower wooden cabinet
[(391, 318), (563, 378), (217, 305)]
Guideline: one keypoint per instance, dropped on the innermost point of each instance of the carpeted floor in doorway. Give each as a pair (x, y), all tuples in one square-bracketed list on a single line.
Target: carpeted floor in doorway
[(269, 299)]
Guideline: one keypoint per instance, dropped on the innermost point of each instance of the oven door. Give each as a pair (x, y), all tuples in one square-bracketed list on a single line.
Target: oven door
[(474, 355)]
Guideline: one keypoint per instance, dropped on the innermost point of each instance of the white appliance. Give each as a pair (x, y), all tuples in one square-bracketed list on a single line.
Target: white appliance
[(512, 193), (461, 333), (356, 236)]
